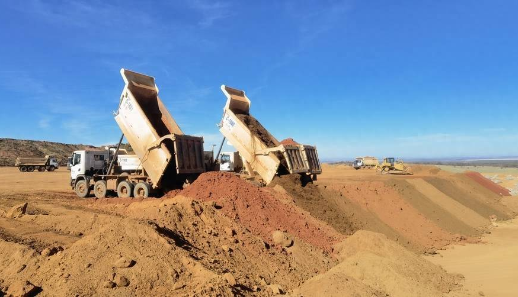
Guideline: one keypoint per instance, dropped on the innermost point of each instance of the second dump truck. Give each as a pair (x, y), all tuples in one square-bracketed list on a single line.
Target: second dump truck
[(167, 158), (29, 164), (262, 153)]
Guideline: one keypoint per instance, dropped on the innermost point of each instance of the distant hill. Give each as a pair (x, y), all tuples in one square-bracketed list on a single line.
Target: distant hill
[(10, 149)]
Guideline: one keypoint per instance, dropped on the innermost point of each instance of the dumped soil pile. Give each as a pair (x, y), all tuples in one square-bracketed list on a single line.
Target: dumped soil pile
[(383, 268), (394, 211), (331, 206), (259, 209), (479, 178), (256, 128), (289, 141)]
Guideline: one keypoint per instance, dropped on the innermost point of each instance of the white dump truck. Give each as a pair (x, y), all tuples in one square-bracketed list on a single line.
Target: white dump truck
[(165, 158), (263, 155), (365, 162), (30, 164)]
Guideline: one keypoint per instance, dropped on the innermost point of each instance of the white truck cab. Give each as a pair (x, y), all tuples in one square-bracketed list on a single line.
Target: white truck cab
[(86, 163), (230, 161)]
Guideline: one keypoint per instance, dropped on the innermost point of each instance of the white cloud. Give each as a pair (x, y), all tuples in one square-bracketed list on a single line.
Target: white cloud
[(44, 123), (211, 11)]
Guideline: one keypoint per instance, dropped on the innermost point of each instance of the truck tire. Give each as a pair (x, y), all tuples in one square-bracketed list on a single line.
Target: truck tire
[(30, 168), (23, 169), (52, 168), (141, 190), (82, 188), (100, 189), (41, 168), (124, 189)]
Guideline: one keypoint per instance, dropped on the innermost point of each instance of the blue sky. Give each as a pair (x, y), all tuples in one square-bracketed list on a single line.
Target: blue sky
[(416, 79)]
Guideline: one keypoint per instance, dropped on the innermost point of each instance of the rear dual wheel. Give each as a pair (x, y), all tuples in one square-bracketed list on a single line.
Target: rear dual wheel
[(141, 190), (124, 189), (100, 189), (30, 168), (41, 168), (23, 169)]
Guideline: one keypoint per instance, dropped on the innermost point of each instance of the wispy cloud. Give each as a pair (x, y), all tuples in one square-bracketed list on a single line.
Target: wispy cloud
[(44, 123), (211, 11)]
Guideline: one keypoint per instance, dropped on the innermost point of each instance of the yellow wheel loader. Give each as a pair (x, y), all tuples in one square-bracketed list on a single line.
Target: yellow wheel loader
[(393, 166)]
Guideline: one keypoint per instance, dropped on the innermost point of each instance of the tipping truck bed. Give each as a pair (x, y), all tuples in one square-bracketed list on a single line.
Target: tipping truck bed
[(262, 153), (154, 135)]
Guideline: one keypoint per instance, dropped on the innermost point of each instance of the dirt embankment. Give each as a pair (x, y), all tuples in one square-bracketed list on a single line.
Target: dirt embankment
[(465, 191), (330, 206), (479, 178)]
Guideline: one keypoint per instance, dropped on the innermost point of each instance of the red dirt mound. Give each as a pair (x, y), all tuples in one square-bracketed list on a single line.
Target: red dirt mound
[(479, 178), (289, 141), (259, 210)]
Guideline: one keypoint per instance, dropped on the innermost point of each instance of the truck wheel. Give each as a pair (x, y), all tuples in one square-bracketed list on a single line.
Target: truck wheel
[(52, 168), (41, 168), (141, 190), (124, 189), (23, 169), (30, 168), (82, 188), (100, 189)]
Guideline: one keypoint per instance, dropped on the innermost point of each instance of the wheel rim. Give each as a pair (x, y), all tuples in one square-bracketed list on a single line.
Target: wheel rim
[(81, 188), (141, 192)]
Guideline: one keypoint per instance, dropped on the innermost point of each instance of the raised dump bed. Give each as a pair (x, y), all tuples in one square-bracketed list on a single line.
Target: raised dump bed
[(261, 151), (154, 135)]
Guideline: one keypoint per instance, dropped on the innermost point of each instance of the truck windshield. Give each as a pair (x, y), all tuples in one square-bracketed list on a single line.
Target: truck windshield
[(77, 159), (225, 159)]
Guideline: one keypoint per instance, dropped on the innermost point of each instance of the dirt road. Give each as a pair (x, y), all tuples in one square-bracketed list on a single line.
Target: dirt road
[(490, 267)]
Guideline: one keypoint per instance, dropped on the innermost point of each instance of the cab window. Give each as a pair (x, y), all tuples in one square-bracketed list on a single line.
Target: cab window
[(225, 159), (77, 159)]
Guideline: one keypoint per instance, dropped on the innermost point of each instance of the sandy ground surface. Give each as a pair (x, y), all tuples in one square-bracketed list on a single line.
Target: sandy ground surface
[(351, 233), (490, 267)]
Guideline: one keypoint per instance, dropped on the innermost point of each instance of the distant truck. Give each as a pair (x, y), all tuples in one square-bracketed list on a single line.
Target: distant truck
[(365, 162), (165, 158), (29, 164), (230, 161)]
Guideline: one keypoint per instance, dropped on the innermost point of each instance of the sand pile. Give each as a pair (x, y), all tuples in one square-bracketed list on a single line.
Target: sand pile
[(373, 265), (259, 210), (489, 184)]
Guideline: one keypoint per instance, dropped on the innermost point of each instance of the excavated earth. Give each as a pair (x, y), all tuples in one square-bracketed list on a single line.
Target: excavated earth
[(351, 233)]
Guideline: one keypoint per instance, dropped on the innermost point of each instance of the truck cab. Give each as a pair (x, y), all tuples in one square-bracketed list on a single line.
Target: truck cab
[(358, 163), (230, 161), (86, 163)]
